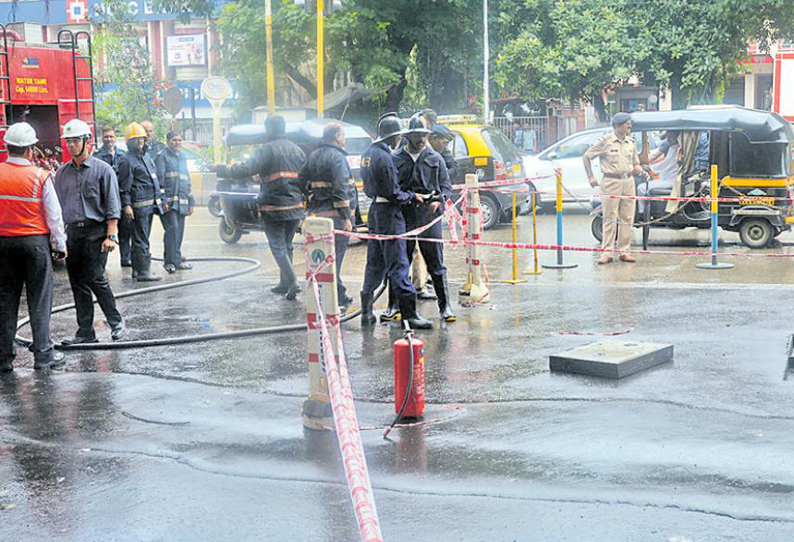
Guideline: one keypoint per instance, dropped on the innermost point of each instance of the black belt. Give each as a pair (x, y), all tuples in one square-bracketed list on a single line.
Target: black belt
[(84, 224)]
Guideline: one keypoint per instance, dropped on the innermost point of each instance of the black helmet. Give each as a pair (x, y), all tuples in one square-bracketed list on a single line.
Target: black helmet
[(388, 125), (417, 125)]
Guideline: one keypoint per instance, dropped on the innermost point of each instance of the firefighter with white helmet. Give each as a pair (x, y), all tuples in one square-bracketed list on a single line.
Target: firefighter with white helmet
[(89, 195), (31, 228), (141, 198)]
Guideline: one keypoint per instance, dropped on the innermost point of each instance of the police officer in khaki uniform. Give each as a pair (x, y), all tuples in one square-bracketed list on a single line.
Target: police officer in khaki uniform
[(619, 161)]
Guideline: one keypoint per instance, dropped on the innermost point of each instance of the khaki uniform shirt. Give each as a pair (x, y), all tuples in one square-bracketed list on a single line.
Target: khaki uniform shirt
[(617, 157)]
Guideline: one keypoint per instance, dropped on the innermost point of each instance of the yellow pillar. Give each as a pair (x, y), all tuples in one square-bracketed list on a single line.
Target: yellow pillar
[(320, 59), (271, 83)]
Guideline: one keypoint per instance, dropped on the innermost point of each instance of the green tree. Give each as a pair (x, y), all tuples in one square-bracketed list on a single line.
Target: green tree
[(126, 83)]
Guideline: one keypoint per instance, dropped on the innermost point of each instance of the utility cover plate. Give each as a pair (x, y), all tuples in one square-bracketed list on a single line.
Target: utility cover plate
[(611, 359)]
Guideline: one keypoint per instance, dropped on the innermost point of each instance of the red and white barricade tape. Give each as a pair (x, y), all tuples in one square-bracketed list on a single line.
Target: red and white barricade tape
[(346, 423)]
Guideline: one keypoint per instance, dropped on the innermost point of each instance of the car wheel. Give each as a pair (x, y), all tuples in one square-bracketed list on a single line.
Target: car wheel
[(597, 227), (214, 206), (229, 234), (489, 212), (756, 232)]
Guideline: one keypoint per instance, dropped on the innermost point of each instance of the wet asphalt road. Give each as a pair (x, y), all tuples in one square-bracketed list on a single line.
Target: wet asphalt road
[(205, 442)]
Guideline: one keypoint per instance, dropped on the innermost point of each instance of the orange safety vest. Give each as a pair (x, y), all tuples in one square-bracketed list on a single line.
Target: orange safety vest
[(21, 201)]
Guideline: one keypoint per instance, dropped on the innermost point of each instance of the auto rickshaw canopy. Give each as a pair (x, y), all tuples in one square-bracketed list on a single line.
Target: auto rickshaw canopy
[(758, 126)]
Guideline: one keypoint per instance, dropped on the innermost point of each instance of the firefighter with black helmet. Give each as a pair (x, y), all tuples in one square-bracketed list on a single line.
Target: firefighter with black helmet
[(387, 257), (422, 171)]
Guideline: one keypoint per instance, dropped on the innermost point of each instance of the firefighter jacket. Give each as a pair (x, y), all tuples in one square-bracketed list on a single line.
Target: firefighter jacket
[(278, 164), (425, 176), (380, 175), (138, 183), (451, 163), (110, 159), (173, 174), (328, 183)]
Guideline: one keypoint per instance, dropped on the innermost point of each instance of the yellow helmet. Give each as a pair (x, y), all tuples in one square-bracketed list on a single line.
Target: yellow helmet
[(134, 130)]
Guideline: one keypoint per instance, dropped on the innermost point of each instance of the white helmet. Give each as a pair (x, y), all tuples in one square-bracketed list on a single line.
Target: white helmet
[(20, 134), (76, 128)]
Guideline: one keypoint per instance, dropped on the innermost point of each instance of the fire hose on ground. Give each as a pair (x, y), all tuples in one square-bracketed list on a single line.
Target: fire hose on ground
[(166, 341)]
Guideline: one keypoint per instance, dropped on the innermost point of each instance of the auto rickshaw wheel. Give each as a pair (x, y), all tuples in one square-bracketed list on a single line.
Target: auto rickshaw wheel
[(756, 232), (229, 234), (214, 206), (597, 227)]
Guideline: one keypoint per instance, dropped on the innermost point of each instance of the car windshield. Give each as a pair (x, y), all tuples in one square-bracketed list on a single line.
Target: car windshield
[(501, 148)]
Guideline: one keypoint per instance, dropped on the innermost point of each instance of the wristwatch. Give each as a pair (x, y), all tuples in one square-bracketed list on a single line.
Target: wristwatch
[(113, 237)]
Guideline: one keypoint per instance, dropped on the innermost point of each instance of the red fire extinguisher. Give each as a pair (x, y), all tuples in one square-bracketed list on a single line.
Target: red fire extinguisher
[(409, 378)]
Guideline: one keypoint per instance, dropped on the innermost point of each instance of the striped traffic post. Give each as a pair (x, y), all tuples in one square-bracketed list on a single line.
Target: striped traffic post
[(714, 264), (559, 264), (474, 290)]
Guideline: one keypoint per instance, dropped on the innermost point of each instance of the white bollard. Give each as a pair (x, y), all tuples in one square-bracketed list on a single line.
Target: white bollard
[(475, 290), (318, 236)]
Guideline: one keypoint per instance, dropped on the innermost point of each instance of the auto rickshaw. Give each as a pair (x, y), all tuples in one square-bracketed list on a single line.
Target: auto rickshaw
[(753, 153), (234, 201)]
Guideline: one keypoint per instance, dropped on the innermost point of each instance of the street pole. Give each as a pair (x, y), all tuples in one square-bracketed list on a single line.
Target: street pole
[(271, 84), (486, 60), (320, 59)]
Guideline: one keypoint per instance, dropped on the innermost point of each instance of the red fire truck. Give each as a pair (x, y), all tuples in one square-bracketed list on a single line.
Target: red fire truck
[(45, 85)]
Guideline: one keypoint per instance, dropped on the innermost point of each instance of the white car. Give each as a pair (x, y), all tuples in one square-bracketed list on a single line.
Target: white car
[(566, 154)]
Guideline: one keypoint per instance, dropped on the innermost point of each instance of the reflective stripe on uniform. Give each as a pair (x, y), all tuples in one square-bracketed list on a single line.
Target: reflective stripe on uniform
[(320, 184), (144, 203), (340, 204), (282, 175), (171, 174), (37, 183), (18, 198), (281, 207)]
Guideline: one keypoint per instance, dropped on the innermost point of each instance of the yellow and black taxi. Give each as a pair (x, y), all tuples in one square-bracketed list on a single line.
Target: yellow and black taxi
[(752, 151), (487, 153)]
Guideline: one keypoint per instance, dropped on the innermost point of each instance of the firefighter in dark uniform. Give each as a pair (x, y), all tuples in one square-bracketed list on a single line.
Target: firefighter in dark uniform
[(111, 155), (172, 172), (387, 257), (439, 140), (422, 171), (278, 164), (326, 180), (141, 198)]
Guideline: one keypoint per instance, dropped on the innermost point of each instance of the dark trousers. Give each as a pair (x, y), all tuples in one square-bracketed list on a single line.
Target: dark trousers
[(387, 258), (279, 237), (86, 266), (26, 261), (417, 216), (174, 232), (141, 229), (125, 239), (340, 247)]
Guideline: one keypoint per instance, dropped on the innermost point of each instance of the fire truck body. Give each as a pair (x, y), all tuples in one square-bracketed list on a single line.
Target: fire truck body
[(45, 85)]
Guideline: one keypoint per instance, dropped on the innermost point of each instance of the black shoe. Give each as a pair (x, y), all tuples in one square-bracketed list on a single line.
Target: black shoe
[(58, 360), (119, 332), (126, 264), (78, 340), (293, 292), (345, 301), (147, 276), (367, 318), (170, 268), (409, 314), (279, 289), (6, 366), (444, 304), (425, 295), (184, 267)]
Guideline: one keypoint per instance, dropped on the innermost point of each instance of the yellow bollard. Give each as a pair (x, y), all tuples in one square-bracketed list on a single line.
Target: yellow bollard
[(537, 270), (515, 279)]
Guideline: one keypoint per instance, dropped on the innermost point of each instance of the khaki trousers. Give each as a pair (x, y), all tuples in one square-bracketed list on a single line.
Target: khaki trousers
[(418, 270), (618, 214)]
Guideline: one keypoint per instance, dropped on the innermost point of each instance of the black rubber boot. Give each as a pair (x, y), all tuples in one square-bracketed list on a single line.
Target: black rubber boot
[(409, 314), (367, 318), (145, 273), (444, 305), (392, 313)]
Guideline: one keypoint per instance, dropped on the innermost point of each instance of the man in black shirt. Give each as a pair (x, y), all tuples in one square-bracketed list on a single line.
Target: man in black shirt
[(89, 195)]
